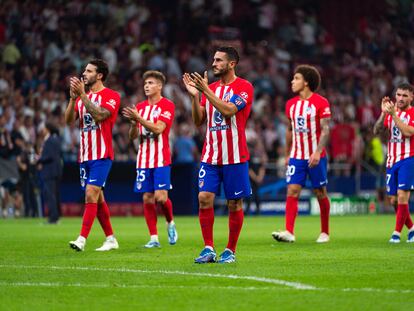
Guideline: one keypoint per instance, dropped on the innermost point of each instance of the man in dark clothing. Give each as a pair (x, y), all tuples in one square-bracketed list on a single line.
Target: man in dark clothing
[(51, 170)]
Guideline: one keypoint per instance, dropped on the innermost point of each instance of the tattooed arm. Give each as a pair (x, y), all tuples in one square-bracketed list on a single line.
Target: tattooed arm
[(323, 142)]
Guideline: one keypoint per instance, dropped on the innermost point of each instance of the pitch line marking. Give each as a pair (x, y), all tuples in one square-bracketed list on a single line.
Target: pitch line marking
[(289, 285), (82, 285), (295, 285)]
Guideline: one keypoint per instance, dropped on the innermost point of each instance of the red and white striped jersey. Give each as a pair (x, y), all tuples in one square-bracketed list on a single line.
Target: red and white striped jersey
[(96, 137), (399, 147), (154, 150), (225, 141), (305, 117)]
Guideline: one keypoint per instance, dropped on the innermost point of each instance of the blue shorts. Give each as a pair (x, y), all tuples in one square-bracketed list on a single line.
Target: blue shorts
[(400, 176), (298, 170), (94, 172), (235, 178), (151, 179)]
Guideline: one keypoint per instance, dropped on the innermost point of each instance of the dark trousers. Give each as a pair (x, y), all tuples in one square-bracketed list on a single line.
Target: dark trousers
[(51, 196), (29, 198)]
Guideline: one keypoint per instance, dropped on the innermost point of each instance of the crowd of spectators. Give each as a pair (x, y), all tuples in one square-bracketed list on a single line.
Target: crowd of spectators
[(43, 43)]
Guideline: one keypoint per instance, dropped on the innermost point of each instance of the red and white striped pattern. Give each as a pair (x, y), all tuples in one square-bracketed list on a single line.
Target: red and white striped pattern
[(96, 138), (225, 138), (305, 117), (399, 147), (154, 150)]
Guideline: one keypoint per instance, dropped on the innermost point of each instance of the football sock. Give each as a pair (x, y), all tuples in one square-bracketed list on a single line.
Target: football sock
[(325, 207), (168, 210), (88, 218), (291, 212), (402, 212), (206, 218), (154, 238), (409, 222), (150, 214), (104, 218), (235, 225)]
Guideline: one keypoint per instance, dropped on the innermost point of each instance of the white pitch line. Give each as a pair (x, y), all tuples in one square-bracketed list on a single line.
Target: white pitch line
[(295, 285), (289, 285), (113, 286)]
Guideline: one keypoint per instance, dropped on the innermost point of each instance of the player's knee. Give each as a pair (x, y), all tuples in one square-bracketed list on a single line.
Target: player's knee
[(403, 196), (320, 193), (160, 198), (148, 198), (293, 192), (205, 199), (235, 205), (92, 194)]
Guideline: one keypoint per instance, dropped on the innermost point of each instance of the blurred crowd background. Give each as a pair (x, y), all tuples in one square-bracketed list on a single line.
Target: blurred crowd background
[(363, 49)]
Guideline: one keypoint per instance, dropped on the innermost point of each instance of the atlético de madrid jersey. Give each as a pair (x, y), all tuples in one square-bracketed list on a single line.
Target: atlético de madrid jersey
[(225, 141), (305, 117), (96, 137), (399, 147)]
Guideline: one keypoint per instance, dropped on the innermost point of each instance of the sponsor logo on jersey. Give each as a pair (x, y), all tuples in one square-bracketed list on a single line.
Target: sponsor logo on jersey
[(111, 103), (166, 114), (327, 111)]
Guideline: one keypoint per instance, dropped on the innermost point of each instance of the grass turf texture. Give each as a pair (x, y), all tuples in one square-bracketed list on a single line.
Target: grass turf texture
[(357, 270)]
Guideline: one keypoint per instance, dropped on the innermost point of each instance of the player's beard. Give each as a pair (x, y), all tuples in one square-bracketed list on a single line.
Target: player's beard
[(90, 83), (221, 72)]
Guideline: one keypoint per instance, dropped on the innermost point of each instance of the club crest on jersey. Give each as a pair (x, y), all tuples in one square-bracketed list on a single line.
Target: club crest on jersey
[(201, 183), (156, 112), (308, 110), (228, 96), (139, 185)]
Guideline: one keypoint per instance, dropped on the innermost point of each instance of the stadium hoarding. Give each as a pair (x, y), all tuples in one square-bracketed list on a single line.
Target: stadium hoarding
[(349, 205)]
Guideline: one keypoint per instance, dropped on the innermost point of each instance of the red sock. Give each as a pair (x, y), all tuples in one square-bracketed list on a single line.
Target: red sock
[(291, 212), (206, 217), (235, 225), (88, 218), (324, 206), (402, 212), (408, 222), (167, 210), (150, 213), (104, 218)]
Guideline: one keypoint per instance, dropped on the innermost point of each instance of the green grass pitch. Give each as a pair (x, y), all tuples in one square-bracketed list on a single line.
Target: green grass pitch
[(357, 270)]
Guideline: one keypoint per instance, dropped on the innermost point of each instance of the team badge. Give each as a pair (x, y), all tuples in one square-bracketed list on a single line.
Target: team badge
[(139, 185), (82, 182), (201, 183), (308, 110)]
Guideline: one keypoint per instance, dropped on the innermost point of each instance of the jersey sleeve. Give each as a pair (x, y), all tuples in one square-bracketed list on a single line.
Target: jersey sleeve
[(243, 98), (111, 102), (386, 121), (167, 113), (324, 110)]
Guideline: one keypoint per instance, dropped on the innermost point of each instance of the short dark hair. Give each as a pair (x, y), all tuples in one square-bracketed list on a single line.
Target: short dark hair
[(52, 127), (101, 67), (231, 52), (154, 74), (311, 75), (406, 87)]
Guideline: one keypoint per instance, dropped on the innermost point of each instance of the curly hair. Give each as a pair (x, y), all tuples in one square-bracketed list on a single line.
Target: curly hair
[(311, 75)]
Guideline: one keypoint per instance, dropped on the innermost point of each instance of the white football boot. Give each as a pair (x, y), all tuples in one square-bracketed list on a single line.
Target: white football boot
[(109, 244), (78, 244), (283, 236), (323, 238)]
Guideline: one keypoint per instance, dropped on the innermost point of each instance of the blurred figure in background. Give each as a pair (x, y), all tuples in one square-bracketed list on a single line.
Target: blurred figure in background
[(185, 149), (50, 167), (257, 170), (26, 162)]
